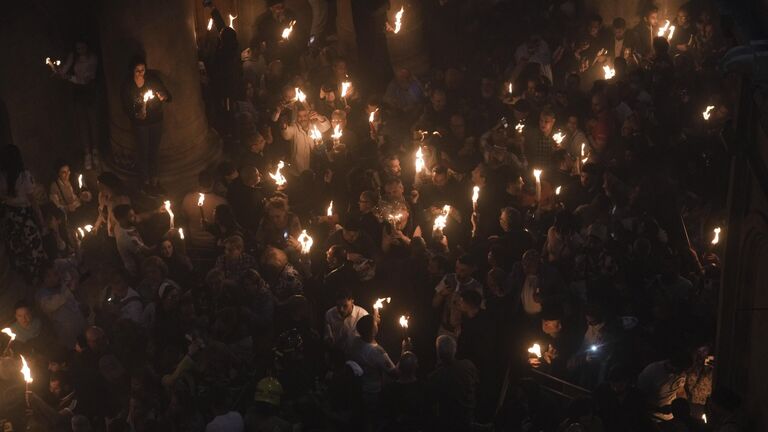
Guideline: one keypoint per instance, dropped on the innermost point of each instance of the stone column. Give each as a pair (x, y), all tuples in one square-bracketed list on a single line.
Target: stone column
[(164, 32)]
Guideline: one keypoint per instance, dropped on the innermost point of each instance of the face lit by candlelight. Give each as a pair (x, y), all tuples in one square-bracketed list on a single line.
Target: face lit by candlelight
[(593, 28), (394, 191), (458, 126), (64, 173), (551, 327), (166, 249), (302, 118), (392, 167), (345, 307), (439, 100), (572, 125), (546, 123), (682, 17), (138, 72), (23, 316), (364, 204), (463, 271), (339, 119), (439, 178), (652, 19)]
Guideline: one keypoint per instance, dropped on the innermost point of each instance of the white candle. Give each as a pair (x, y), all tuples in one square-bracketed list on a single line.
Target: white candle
[(537, 175), (167, 205)]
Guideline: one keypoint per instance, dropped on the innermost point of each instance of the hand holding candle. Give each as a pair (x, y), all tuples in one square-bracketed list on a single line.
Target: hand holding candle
[(305, 241), (708, 112), (11, 335), (288, 30), (27, 377)]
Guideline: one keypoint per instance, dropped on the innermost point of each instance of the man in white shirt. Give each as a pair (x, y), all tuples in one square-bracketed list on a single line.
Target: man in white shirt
[(340, 320), (663, 381), (129, 243), (300, 141)]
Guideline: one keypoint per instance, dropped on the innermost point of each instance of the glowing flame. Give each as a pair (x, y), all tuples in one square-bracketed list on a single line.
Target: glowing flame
[(329, 212), (10, 333), (394, 219), (475, 194), (535, 349), (420, 165), (403, 321), (167, 205), (345, 86), (372, 116), (441, 219), (704, 418), (232, 21), (380, 302), (509, 88), (671, 32), (584, 158), (520, 127), (82, 233), (608, 72), (537, 174), (149, 94), (399, 20), (210, 24), (52, 63), (708, 112), (200, 199), (80, 181), (300, 96), (315, 134), (558, 137), (25, 370), (278, 177), (181, 233), (336, 132), (716, 240), (663, 29), (557, 190), (306, 242), (287, 31), (88, 228)]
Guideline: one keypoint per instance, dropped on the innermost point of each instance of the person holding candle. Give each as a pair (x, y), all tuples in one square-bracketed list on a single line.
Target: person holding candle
[(538, 142), (299, 139), (448, 292), (130, 245), (63, 194), (32, 333), (341, 320), (246, 197), (143, 95), (197, 217)]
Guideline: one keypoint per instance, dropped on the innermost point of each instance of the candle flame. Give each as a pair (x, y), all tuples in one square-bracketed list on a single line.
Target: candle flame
[(535, 349), (80, 181), (300, 96), (149, 94), (167, 205), (671, 32), (210, 24), (82, 233), (442, 219), (287, 31), (537, 174), (200, 199), (380, 302), (232, 21), (420, 165), (509, 88), (329, 212), (475, 194), (716, 240), (399, 20), (278, 177), (10, 333), (708, 112), (403, 321), (520, 127), (583, 145), (608, 72), (558, 137), (25, 370), (704, 418), (372, 116), (557, 190), (88, 228), (315, 133), (663, 29), (181, 233), (306, 242), (345, 86), (336, 132)]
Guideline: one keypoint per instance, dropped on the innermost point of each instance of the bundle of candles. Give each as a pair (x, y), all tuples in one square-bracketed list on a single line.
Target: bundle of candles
[(288, 30), (305, 241), (278, 177)]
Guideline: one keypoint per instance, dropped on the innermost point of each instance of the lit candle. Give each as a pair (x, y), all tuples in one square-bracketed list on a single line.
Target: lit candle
[(475, 196), (80, 181), (148, 95), (345, 86), (535, 349), (708, 112), (380, 303), (278, 177), (88, 228), (167, 205), (200, 202), (537, 175), (82, 233), (11, 335), (509, 88), (336, 135), (181, 233), (520, 127), (663, 29), (716, 239), (404, 324), (288, 30), (608, 72), (671, 32), (559, 136), (27, 377), (232, 21), (329, 212), (704, 418), (300, 96), (305, 241), (210, 24), (441, 220), (420, 165), (557, 190)]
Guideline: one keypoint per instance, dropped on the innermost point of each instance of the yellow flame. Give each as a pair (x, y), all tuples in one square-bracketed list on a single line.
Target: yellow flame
[(287, 31), (716, 240), (210, 24), (537, 174), (181, 233), (372, 116), (380, 302), (399, 20), (704, 418), (315, 133), (663, 29), (442, 219), (557, 190), (420, 165), (278, 177), (168, 209), (535, 349), (336, 132), (200, 199), (149, 94), (329, 212), (509, 88), (475, 194), (671, 32), (345, 86), (232, 21), (10, 333), (708, 112), (82, 233), (25, 370), (80, 181), (88, 228), (608, 72), (300, 96), (520, 127), (306, 242), (558, 137), (403, 321)]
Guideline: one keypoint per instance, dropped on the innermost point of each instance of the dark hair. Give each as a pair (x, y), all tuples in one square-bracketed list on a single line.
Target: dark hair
[(136, 60), (64, 378), (466, 259), (225, 168), (440, 170), (339, 252), (595, 17), (619, 23), (352, 224), (343, 294), (22, 304), (121, 212), (513, 214), (112, 181), (472, 298), (205, 179), (365, 326), (12, 165)]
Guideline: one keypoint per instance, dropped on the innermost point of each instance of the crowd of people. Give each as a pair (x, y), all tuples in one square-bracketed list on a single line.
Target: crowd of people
[(522, 238)]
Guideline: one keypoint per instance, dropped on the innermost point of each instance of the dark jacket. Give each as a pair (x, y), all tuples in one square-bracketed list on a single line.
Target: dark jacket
[(133, 99)]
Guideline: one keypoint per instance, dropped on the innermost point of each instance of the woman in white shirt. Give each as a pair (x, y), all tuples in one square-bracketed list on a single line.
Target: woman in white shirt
[(22, 219), (64, 195)]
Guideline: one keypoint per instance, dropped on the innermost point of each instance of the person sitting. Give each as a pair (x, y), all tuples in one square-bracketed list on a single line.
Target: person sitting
[(235, 261), (33, 335)]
